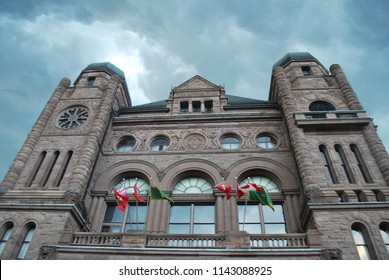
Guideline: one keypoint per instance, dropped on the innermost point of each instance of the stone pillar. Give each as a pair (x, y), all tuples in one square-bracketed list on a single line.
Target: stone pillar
[(348, 92), (150, 216), (299, 145), (219, 212), (190, 106), (378, 150), (98, 213), (289, 203), (202, 108), (32, 139), (233, 206), (164, 215), (90, 149)]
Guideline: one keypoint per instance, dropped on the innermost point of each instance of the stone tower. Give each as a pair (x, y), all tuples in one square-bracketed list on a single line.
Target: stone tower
[(48, 181)]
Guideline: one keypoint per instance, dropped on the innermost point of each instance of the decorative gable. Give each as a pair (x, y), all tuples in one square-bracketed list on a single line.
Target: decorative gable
[(197, 96), (197, 83)]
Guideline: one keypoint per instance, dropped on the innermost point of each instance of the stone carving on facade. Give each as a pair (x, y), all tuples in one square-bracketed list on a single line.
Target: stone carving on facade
[(194, 142), (313, 193), (48, 253), (332, 254)]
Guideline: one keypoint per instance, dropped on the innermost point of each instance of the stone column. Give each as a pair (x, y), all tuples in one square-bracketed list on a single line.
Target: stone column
[(219, 212), (299, 145), (233, 203), (97, 215), (289, 203), (32, 139), (348, 92), (378, 150)]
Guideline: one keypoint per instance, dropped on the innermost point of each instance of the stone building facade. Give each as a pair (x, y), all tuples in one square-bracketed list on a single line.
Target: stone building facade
[(311, 145)]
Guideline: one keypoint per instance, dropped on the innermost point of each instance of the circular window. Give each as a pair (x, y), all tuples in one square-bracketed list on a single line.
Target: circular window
[(72, 117), (126, 144), (266, 141), (230, 142), (192, 185), (159, 144)]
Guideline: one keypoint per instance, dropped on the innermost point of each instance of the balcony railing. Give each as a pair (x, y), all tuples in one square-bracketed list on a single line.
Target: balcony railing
[(291, 240), (97, 239), (186, 241)]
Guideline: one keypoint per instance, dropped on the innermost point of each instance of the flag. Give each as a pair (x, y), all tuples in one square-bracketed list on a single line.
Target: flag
[(239, 191), (226, 190), (156, 193), (121, 198), (136, 196), (257, 193)]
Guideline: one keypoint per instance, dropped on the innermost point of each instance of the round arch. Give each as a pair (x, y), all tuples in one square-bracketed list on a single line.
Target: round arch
[(275, 171), (116, 173), (193, 167)]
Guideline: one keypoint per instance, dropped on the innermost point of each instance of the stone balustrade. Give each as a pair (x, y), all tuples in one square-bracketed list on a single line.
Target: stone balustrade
[(291, 240)]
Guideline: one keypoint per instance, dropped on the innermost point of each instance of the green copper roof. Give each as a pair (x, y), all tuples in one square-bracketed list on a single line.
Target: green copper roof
[(294, 56), (105, 66)]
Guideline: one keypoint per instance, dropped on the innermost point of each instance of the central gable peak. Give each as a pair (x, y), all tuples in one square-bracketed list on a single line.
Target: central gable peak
[(197, 82)]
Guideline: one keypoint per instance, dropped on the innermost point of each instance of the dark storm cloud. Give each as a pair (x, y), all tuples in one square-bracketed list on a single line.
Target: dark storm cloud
[(160, 44)]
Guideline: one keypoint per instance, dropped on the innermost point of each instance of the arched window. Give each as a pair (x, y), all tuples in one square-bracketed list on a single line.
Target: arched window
[(36, 168), (358, 159), (261, 219), (317, 106), (345, 167), (192, 184), (135, 215), (361, 241), (192, 218), (6, 231), (384, 230), (328, 168), (29, 233)]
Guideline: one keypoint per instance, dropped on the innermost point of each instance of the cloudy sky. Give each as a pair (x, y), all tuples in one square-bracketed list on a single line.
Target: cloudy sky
[(160, 44)]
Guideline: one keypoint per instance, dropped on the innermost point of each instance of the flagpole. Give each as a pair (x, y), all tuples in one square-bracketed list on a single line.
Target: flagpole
[(244, 213), (136, 205), (226, 217)]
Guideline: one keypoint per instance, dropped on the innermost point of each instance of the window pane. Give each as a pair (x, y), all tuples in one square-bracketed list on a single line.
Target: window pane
[(252, 214), (159, 144), (126, 144), (363, 253), (385, 236), (23, 251), (275, 228), (358, 237), (203, 229), (204, 214), (141, 211), (251, 228), (134, 226), (230, 142), (29, 235), (276, 216), (176, 229), (180, 214), (113, 214)]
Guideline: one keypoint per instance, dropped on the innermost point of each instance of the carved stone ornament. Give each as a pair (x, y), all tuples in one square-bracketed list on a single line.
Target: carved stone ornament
[(194, 142)]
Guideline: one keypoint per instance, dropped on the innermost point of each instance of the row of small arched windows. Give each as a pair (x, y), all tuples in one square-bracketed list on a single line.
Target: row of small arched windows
[(50, 163), (22, 243), (344, 164)]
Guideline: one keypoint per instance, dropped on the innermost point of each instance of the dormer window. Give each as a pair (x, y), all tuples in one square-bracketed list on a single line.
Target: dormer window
[(196, 106), (91, 81), (306, 70), (208, 106), (184, 106)]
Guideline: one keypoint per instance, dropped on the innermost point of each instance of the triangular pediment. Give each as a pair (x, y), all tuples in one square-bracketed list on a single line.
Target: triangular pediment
[(197, 82)]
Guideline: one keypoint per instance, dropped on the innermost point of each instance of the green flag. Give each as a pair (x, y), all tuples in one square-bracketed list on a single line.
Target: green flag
[(262, 197), (156, 193)]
